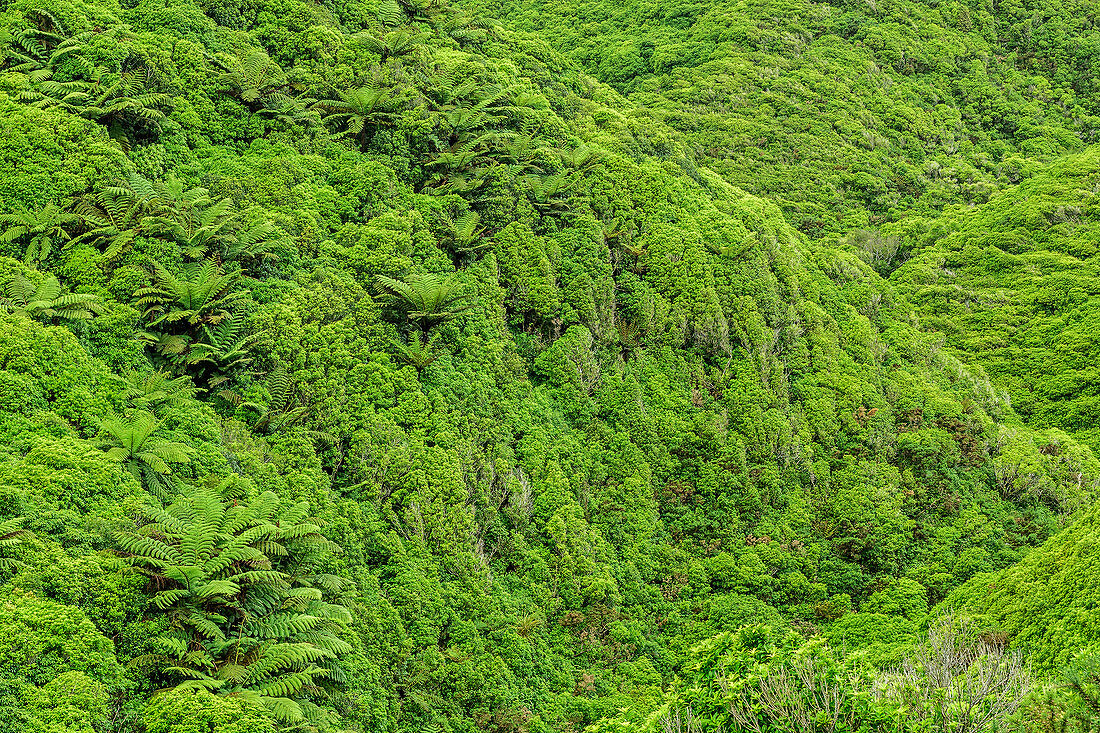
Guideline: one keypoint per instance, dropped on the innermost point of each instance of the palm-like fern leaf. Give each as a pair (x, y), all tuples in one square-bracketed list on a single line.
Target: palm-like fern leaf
[(242, 624), (429, 299), (148, 458), (47, 300), (12, 534), (150, 391), (201, 294)]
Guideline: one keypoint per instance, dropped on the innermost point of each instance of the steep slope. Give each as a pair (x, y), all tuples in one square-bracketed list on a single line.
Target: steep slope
[(847, 114), (1012, 284), (1047, 603), (566, 401)]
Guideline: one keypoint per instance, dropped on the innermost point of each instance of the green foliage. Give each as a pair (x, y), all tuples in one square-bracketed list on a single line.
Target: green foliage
[(825, 108), (240, 586), (61, 373), (197, 711), (756, 680), (146, 457), (38, 228), (72, 701), (1072, 703), (957, 680), (1040, 603), (1026, 257), (47, 300), (788, 324), (751, 680), (43, 640), (880, 639), (428, 300)]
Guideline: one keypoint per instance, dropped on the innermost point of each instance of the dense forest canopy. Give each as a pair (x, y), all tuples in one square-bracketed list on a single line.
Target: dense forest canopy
[(492, 365)]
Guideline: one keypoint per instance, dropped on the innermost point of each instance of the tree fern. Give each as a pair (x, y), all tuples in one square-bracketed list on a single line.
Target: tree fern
[(253, 241), (115, 214), (221, 352), (40, 228), (391, 14), (417, 352), (11, 535), (148, 458), (465, 240), (284, 407), (200, 295), (428, 299), (126, 106), (581, 158), (359, 110), (253, 78), (47, 301), (151, 391), (241, 622), (549, 193)]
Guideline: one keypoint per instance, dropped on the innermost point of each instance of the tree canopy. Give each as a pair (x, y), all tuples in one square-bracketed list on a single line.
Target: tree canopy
[(523, 367)]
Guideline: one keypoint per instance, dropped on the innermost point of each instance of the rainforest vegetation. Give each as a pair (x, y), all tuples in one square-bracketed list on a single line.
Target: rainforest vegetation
[(451, 366)]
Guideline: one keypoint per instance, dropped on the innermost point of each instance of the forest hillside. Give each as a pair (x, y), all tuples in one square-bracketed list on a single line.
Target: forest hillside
[(412, 365)]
